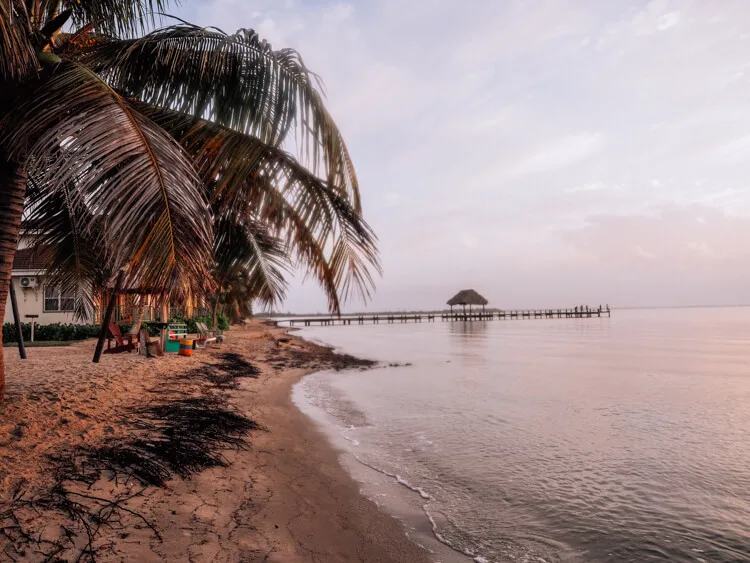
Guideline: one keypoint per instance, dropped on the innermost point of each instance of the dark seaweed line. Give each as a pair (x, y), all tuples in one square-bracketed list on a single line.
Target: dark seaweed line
[(170, 438)]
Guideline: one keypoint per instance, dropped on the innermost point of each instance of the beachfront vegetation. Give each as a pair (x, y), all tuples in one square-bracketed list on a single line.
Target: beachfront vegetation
[(163, 154), (68, 332), (56, 332)]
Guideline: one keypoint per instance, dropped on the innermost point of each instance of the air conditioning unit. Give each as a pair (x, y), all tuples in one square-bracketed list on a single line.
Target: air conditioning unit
[(28, 281)]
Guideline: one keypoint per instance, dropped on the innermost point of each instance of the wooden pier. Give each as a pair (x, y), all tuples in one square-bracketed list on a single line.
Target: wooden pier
[(447, 317)]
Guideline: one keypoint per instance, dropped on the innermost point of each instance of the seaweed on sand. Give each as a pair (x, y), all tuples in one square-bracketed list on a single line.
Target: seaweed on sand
[(178, 437), (23, 522), (187, 435), (327, 358), (233, 367), (224, 375), (235, 363), (175, 437)]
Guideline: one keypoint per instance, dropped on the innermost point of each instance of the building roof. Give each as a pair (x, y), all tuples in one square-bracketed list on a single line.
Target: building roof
[(29, 259), (467, 297)]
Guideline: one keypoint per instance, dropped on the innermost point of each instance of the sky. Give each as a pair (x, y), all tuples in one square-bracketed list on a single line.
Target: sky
[(546, 153)]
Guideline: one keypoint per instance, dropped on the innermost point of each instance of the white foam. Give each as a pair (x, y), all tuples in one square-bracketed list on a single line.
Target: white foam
[(408, 485), (352, 441), (303, 397), (442, 539)]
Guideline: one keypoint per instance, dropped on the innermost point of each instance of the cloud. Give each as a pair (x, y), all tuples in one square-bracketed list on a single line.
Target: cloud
[(673, 238), (732, 152), (667, 21), (589, 187), (470, 241), (566, 151), (392, 199), (576, 134)]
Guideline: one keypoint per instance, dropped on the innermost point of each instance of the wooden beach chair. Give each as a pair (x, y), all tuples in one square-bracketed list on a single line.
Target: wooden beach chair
[(208, 336), (123, 343)]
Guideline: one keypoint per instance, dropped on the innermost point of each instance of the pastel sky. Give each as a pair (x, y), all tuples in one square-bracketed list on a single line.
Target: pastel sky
[(543, 152)]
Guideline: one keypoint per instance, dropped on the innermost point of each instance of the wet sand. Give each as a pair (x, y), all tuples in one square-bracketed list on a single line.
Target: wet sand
[(284, 498)]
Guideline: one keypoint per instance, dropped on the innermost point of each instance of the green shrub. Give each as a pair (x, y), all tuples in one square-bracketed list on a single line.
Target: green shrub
[(55, 332), (153, 330), (222, 322), (59, 332)]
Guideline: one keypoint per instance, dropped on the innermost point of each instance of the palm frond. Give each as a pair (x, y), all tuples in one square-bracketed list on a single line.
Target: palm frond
[(242, 171), (307, 247), (17, 56), (132, 175), (70, 240), (355, 255), (237, 81), (110, 16), (239, 300), (250, 259)]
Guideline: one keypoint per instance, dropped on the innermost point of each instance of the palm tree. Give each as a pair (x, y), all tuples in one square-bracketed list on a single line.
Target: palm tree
[(152, 154)]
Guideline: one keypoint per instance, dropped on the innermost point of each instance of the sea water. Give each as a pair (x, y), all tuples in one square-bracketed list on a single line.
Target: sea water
[(622, 439)]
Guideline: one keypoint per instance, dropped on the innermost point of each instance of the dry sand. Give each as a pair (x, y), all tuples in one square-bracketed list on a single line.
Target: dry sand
[(286, 498)]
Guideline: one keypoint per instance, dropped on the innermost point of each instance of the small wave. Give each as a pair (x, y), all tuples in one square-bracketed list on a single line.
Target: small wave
[(420, 490), (445, 541), (400, 480), (426, 496), (352, 441)]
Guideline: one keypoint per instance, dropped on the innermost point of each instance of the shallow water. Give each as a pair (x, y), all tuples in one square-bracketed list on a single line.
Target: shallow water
[(623, 439)]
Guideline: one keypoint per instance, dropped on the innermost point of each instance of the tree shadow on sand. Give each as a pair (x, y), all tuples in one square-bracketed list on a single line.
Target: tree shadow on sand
[(170, 438)]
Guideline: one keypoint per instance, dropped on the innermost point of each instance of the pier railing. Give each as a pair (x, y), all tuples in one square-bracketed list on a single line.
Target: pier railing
[(389, 318)]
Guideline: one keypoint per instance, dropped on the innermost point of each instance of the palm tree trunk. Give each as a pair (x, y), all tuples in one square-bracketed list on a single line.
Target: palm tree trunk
[(164, 318), (216, 309), (107, 318), (12, 193), (17, 321)]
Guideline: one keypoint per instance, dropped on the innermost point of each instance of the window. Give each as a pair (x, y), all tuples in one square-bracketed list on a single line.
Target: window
[(56, 300)]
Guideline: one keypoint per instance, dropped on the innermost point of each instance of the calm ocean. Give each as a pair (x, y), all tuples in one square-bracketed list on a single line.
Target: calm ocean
[(622, 439)]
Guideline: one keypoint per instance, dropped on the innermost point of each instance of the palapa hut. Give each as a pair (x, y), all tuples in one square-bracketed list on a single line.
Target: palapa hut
[(467, 297)]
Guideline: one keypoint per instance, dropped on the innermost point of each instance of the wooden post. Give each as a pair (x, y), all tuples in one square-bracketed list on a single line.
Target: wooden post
[(33, 318), (108, 317), (164, 319), (17, 321)]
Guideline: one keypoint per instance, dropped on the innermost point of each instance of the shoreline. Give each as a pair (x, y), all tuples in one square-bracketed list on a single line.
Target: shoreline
[(389, 491), (284, 498), (340, 524)]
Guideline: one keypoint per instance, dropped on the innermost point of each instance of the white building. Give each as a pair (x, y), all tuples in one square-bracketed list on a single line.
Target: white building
[(34, 296), (51, 305)]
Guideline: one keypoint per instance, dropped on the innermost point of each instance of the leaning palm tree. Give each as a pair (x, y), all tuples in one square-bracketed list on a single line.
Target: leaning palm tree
[(133, 151)]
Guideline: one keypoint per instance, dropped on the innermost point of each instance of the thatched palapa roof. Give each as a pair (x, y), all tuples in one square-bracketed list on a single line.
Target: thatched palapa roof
[(467, 297)]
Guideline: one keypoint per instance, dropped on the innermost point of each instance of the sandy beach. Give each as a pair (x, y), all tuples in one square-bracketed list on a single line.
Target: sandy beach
[(68, 491)]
